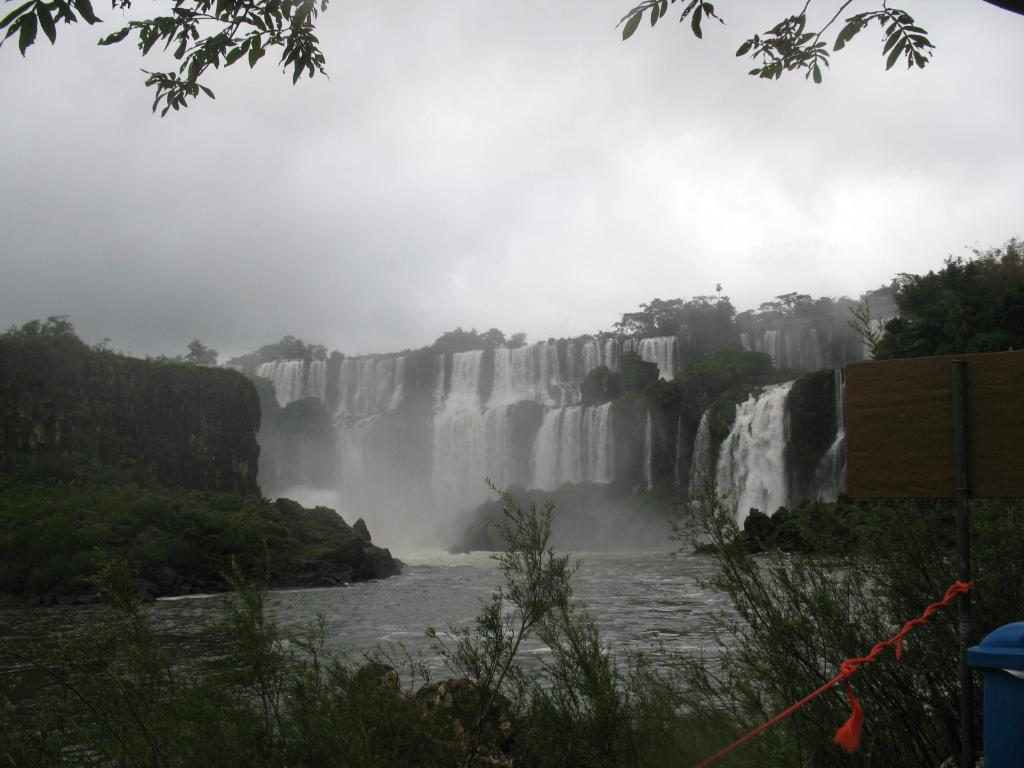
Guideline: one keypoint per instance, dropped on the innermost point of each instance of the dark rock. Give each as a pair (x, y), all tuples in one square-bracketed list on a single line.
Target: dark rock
[(382, 564), (378, 675), (457, 705), (361, 529)]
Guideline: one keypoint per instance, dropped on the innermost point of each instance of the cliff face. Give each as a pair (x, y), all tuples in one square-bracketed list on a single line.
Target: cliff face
[(80, 415)]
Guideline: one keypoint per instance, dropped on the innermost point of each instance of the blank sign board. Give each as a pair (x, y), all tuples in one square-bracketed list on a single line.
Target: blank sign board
[(899, 427)]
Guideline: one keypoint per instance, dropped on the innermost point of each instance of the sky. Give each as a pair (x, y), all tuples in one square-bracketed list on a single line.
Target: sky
[(494, 164)]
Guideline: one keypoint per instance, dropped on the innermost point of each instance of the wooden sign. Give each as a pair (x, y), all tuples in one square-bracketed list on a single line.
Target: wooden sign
[(899, 426)]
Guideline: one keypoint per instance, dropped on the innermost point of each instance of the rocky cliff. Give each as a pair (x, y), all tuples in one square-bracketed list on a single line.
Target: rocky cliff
[(80, 415)]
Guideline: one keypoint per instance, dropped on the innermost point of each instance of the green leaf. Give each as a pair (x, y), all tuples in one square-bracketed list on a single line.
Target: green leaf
[(847, 33), (85, 8), (744, 49), (233, 55), (255, 54), (893, 39), (46, 22), (115, 37), (654, 15), (817, 74), (207, 91), (631, 25), (14, 14), (150, 41), (895, 54), (28, 32), (695, 22)]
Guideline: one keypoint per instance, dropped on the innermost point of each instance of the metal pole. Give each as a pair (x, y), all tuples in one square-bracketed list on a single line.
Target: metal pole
[(963, 545)]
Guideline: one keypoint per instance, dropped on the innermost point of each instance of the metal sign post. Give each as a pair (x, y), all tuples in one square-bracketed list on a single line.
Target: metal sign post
[(961, 495)]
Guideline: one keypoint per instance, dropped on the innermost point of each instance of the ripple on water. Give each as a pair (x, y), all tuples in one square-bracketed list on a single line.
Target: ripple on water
[(637, 600)]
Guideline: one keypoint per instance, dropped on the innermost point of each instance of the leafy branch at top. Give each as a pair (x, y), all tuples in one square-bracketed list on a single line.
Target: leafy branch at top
[(790, 45), (203, 33)]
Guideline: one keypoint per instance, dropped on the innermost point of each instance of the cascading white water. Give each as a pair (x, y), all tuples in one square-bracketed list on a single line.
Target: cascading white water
[(470, 443), (751, 469), (532, 373), (830, 474), (368, 385), (464, 390), (701, 470), (662, 351), (770, 344), (798, 347), (295, 379), (611, 354), (573, 445), (597, 352), (469, 446)]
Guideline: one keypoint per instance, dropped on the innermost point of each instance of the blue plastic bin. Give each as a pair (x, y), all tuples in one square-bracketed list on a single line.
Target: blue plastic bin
[(1001, 658)]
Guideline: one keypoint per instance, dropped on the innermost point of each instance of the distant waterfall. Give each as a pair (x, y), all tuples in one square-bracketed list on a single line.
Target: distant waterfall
[(573, 445), (751, 468), (830, 474), (469, 446), (533, 373), (701, 469), (295, 379), (464, 390), (597, 352), (368, 385), (660, 350)]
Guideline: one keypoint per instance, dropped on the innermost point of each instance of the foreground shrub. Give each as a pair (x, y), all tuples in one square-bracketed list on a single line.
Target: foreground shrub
[(796, 618)]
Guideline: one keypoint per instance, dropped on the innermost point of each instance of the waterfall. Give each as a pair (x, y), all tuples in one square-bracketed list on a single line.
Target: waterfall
[(573, 445), (368, 385), (660, 350), (751, 469), (592, 355), (701, 471), (295, 379), (469, 446), (745, 342), (611, 354), (464, 390), (469, 443), (830, 474), (532, 373), (439, 391)]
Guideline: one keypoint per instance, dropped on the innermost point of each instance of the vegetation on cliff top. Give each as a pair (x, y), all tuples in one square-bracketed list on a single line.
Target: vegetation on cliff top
[(970, 305)]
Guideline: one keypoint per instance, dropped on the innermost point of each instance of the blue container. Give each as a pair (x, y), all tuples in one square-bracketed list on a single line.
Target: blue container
[(1001, 657)]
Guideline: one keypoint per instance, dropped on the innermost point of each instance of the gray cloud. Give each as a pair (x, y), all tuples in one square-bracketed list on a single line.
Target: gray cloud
[(484, 164)]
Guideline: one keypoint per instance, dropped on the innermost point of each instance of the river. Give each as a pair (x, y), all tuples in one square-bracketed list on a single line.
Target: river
[(648, 601)]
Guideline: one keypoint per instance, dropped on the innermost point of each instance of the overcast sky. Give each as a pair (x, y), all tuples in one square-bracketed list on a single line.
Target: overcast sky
[(509, 164)]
